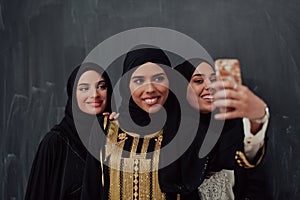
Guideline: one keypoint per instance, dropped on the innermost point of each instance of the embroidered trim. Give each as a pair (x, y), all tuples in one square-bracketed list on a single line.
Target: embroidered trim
[(218, 186), (243, 161), (135, 177)]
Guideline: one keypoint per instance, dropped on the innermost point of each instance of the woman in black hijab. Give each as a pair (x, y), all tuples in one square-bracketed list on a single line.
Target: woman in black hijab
[(147, 123), (201, 94), (57, 170)]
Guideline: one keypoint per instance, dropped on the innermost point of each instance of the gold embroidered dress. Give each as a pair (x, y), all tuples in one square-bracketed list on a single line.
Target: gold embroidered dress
[(132, 171)]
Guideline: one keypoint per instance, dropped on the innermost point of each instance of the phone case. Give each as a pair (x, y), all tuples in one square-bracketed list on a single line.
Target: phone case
[(228, 69)]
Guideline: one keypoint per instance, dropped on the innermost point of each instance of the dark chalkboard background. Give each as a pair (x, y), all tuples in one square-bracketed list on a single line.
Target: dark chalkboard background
[(43, 40)]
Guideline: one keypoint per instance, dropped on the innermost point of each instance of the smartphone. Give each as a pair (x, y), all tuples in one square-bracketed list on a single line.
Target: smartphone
[(228, 69)]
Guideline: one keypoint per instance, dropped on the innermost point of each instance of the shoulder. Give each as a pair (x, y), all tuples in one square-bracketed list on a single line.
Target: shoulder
[(113, 124), (51, 154), (112, 129), (54, 138), (52, 144)]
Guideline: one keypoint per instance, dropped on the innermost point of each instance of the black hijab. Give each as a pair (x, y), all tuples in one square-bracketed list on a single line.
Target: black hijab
[(132, 117), (78, 135), (187, 69), (189, 168)]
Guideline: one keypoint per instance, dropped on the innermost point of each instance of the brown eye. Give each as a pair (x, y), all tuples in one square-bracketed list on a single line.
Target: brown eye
[(213, 79), (199, 81), (101, 87)]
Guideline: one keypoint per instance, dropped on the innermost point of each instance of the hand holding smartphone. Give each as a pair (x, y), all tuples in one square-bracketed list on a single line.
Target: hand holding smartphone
[(228, 69)]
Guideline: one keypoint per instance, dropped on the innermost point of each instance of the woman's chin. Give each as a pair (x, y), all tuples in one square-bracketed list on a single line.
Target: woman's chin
[(153, 109), (206, 108), (94, 111)]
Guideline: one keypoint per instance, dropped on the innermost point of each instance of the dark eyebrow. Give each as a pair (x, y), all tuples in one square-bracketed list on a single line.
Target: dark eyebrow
[(137, 77), (103, 81), (87, 84), (198, 75), (134, 77), (212, 74), (83, 84), (160, 74)]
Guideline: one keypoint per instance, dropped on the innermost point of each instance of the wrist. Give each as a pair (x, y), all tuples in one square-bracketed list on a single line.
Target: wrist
[(262, 119)]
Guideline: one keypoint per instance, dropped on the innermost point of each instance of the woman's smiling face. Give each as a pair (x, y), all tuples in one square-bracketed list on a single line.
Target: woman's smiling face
[(91, 93), (200, 87), (149, 87)]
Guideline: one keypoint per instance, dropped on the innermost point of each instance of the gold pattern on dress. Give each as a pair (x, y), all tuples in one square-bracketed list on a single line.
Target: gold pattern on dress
[(122, 137), (135, 179), (113, 131), (127, 184), (144, 177), (145, 147), (113, 150), (130, 178), (135, 143), (111, 142), (105, 121), (159, 139), (156, 192), (115, 166)]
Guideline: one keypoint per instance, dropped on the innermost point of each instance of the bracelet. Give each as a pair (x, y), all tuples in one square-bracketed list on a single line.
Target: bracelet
[(264, 118)]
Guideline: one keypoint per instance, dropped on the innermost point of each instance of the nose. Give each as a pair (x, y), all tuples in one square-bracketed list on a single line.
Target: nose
[(207, 86), (149, 87), (95, 93), (207, 83)]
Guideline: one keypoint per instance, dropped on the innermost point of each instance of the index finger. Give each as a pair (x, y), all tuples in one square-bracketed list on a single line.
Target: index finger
[(105, 113)]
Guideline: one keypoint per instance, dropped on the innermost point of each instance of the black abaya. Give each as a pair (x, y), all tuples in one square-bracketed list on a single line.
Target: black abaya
[(58, 167), (222, 155)]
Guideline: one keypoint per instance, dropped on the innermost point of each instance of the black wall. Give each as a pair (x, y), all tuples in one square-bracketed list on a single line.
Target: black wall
[(41, 42)]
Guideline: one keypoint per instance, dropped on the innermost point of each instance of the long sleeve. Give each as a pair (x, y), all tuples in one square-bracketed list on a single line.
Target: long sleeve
[(251, 177), (252, 143)]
